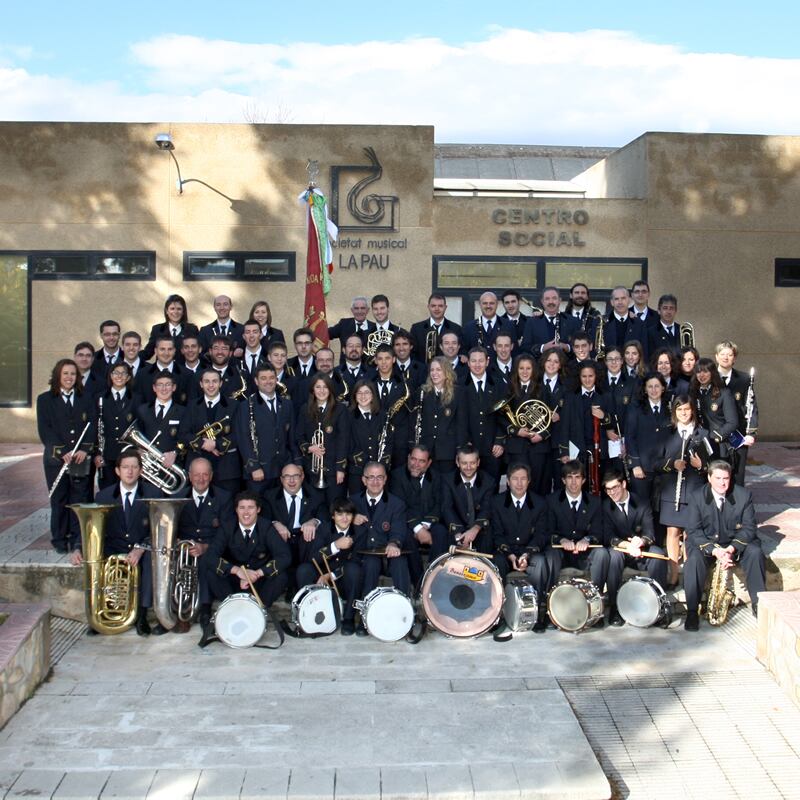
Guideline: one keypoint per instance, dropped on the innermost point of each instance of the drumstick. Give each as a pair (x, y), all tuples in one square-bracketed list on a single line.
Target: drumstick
[(379, 552), (253, 588), (467, 551), (330, 572), (643, 554), (561, 546)]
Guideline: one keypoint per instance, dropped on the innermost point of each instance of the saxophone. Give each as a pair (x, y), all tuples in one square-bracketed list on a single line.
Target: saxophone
[(720, 596), (393, 409)]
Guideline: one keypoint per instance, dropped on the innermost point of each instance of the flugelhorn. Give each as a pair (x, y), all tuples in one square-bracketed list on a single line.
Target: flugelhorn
[(111, 584), (171, 480), (533, 415)]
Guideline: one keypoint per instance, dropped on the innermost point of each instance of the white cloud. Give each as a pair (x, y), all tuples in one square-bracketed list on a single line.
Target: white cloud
[(591, 87)]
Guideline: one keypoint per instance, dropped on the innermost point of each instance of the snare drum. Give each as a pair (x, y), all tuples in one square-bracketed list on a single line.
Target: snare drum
[(642, 602), (314, 610), (575, 605), (462, 595), (240, 621), (387, 614), (521, 606)]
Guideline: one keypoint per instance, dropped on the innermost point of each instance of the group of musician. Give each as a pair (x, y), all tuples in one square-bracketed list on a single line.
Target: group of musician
[(617, 444)]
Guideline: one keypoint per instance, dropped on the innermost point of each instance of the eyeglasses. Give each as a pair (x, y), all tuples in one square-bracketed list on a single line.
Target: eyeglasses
[(294, 476), (612, 487), (374, 477)]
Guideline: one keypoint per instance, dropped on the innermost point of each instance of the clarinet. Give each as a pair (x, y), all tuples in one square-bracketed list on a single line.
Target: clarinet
[(557, 326), (101, 437), (750, 403), (253, 431), (679, 482), (418, 425)]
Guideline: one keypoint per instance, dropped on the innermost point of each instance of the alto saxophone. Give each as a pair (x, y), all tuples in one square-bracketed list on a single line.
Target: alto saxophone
[(394, 408), (720, 596)]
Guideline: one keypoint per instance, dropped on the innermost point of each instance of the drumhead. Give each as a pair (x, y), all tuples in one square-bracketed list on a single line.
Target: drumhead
[(313, 609), (639, 602), (568, 605), (387, 614), (462, 595), (239, 621)]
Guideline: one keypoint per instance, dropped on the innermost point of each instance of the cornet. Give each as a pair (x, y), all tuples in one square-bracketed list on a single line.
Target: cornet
[(317, 461)]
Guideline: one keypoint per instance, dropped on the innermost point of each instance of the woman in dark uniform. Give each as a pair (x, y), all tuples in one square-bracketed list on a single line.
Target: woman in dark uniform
[(665, 362), (554, 393), (322, 417), (522, 445), (62, 414), (440, 417), (366, 423), (687, 360), (716, 406), (633, 356), (683, 461), (115, 412), (262, 314), (176, 324)]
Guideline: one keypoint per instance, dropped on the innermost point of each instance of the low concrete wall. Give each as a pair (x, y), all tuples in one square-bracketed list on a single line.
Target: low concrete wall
[(778, 646), (58, 585), (24, 654)]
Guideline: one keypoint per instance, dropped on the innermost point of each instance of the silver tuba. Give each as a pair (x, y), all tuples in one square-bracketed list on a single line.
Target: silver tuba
[(171, 480), (164, 515)]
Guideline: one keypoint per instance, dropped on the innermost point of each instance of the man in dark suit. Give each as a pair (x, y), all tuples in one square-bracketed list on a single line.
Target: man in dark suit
[(93, 384), (721, 529), (296, 511), (580, 308), (302, 364), (254, 355), (411, 370), (640, 293), (667, 333), (353, 369), (511, 301), (380, 313), (574, 522), (357, 324), (212, 409), (165, 362), (450, 345), (484, 430), (519, 531), (620, 327), (501, 366), (628, 522), (267, 450), (219, 358), (418, 487), (250, 548), (381, 532), (110, 353), (552, 329), (436, 323), (224, 326), (466, 500), (481, 332), (127, 526)]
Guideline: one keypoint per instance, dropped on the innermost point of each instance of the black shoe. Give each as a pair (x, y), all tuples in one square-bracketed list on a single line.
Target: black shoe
[(208, 635), (158, 630), (361, 630), (692, 622), (754, 609), (204, 617), (600, 624), (61, 547), (615, 618), (90, 631), (348, 627), (541, 625), (142, 625)]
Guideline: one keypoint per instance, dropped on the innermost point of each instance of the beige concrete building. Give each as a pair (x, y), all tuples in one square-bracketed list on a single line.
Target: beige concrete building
[(93, 225)]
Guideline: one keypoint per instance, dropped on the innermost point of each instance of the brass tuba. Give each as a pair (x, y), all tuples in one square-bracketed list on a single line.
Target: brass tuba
[(534, 415), (112, 584), (171, 480), (163, 514)]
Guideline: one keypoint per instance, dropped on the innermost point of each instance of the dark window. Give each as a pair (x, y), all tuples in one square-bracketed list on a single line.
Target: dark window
[(239, 266), (15, 364), (787, 271), (92, 265)]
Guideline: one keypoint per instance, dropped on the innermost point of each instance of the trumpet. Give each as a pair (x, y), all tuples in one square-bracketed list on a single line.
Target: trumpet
[(431, 345), (317, 461), (211, 430), (533, 415), (171, 480), (686, 334)]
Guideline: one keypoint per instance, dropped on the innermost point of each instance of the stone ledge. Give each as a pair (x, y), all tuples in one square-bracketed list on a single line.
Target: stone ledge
[(778, 645), (24, 654)]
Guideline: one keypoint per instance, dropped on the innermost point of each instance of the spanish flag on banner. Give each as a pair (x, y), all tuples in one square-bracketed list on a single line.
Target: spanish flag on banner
[(319, 263)]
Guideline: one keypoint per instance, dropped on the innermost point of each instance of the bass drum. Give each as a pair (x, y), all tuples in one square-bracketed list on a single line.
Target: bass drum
[(575, 605), (387, 614), (314, 610), (240, 621), (462, 596), (521, 606), (642, 602)]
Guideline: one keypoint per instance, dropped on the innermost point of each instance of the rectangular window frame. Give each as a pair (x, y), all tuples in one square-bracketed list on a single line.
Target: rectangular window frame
[(780, 281), (28, 400), (239, 257), (93, 261)]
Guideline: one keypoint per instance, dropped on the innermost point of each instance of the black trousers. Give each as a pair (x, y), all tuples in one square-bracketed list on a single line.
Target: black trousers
[(739, 465), (437, 547), (269, 589), (695, 569), (596, 561), (538, 571), (64, 527), (372, 567), (347, 585), (655, 567)]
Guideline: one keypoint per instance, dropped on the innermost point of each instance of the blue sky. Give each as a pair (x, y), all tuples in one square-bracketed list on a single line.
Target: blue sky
[(570, 73)]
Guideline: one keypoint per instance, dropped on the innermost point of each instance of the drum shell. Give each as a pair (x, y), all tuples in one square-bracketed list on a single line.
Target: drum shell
[(575, 605), (240, 621), (313, 610), (521, 605), (462, 595), (387, 613), (642, 602)]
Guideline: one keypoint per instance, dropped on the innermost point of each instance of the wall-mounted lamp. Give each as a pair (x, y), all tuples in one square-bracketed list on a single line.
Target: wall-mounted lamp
[(164, 142)]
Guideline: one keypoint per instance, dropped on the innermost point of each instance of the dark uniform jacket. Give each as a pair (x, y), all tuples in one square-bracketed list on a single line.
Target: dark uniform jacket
[(474, 334), (226, 465), (121, 532), (244, 366), (456, 512), (387, 525), (707, 528), (265, 550), (562, 523), (646, 434), (738, 386), (365, 437), (275, 435), (578, 426), (483, 426), (345, 328), (336, 433), (172, 428), (719, 416), (637, 522), (658, 336), (235, 334), (201, 524), (443, 428), (117, 417), (312, 506), (100, 367), (147, 374), (539, 331), (60, 426), (421, 497), (419, 332), (515, 532), (617, 335), (162, 329)]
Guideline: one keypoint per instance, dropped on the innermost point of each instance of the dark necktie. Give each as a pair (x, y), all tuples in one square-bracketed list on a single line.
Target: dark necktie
[(68, 400), (200, 499), (210, 412), (470, 504), (549, 382), (174, 331), (253, 357), (384, 389), (271, 406), (488, 326), (655, 409), (623, 509), (293, 511), (304, 368), (371, 510), (117, 396), (519, 505), (128, 508), (508, 370), (574, 504), (160, 414), (247, 532), (480, 389), (641, 315), (109, 359), (367, 416), (613, 381), (354, 371)]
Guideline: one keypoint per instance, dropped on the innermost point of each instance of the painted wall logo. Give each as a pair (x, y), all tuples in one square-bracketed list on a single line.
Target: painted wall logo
[(365, 210)]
